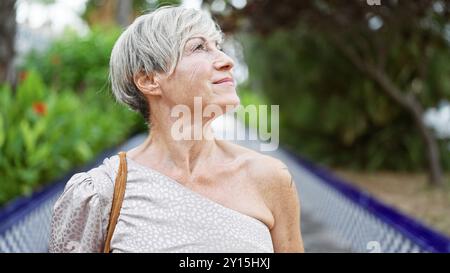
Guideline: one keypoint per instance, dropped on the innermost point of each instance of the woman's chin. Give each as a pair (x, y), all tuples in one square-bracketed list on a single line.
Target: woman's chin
[(229, 102)]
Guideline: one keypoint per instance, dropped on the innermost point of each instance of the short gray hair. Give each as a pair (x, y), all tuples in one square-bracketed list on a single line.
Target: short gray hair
[(154, 42)]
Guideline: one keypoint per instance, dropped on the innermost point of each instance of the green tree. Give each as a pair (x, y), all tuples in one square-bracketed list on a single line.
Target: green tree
[(119, 12), (396, 53), (7, 35)]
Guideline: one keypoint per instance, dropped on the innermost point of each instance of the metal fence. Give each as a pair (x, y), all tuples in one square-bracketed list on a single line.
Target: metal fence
[(361, 222), (25, 224)]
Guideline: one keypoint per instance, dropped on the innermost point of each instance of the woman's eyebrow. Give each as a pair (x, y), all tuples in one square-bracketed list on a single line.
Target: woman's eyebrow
[(203, 39), (197, 37), (217, 42), (187, 44)]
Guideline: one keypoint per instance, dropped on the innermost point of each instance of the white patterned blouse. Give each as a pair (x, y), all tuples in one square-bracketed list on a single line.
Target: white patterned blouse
[(158, 214)]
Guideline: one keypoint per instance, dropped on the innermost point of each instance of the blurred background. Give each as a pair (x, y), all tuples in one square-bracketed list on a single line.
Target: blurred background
[(363, 88)]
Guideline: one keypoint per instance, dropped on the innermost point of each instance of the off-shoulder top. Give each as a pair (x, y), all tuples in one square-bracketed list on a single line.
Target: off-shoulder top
[(158, 214)]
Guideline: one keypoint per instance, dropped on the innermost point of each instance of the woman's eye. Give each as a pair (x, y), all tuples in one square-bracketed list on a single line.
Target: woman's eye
[(202, 46), (199, 46)]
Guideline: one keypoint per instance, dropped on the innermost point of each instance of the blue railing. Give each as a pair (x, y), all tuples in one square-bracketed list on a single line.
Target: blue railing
[(426, 238), (25, 221)]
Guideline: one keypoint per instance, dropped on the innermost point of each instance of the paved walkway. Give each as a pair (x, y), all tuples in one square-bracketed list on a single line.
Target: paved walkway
[(316, 236)]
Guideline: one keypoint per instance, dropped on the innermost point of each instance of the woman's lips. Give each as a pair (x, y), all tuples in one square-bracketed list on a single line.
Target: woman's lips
[(228, 81)]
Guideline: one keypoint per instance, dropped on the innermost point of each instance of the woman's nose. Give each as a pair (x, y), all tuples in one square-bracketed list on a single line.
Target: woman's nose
[(224, 62)]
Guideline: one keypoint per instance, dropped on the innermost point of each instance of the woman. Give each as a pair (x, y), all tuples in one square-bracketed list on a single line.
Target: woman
[(182, 195)]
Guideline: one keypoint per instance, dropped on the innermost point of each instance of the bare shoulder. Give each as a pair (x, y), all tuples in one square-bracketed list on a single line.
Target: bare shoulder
[(278, 189), (270, 174)]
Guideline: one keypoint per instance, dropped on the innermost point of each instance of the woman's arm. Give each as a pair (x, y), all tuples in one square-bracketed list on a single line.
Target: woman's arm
[(286, 234), (283, 201), (78, 217)]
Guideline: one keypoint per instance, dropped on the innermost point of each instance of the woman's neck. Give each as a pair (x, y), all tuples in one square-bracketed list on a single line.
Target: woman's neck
[(185, 153)]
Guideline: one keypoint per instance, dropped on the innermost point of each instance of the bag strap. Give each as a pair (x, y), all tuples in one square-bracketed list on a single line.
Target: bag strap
[(119, 192)]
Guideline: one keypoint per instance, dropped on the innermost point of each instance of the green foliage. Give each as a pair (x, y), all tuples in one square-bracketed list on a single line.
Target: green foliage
[(79, 63), (138, 6), (332, 113), (76, 62), (62, 113), (44, 133), (250, 99)]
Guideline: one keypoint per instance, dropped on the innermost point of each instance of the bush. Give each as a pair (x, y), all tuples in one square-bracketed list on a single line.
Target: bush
[(44, 133), (331, 113), (76, 62)]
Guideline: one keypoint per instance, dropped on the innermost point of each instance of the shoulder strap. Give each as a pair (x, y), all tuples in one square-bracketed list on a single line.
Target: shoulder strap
[(119, 192)]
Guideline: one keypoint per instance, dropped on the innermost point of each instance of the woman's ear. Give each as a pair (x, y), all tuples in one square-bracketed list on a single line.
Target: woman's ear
[(147, 83)]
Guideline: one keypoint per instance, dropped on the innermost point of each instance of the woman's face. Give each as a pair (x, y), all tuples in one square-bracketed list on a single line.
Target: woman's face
[(201, 65)]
